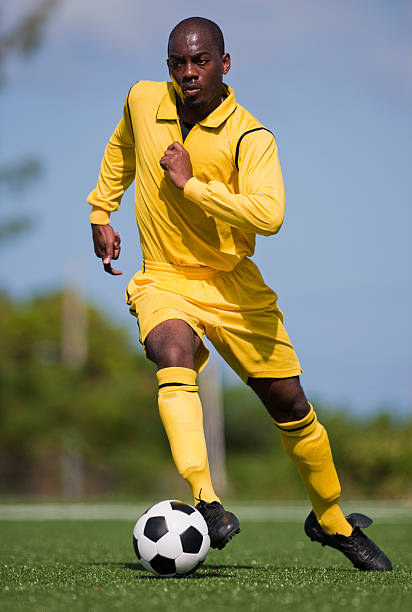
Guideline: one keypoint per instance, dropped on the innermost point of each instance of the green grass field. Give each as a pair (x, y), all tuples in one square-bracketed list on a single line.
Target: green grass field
[(271, 565)]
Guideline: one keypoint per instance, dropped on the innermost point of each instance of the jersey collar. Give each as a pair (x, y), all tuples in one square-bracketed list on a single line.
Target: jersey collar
[(167, 107)]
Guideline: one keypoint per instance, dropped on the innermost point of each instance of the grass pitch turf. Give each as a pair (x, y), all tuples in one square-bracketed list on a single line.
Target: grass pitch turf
[(90, 565)]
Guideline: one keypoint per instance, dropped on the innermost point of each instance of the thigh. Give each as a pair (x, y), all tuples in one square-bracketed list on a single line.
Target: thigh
[(169, 318), (249, 333), (256, 345)]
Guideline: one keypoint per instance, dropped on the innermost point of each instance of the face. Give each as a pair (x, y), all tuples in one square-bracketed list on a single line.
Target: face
[(197, 69)]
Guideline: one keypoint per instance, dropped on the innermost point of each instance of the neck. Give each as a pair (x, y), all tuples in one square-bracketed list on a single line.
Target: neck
[(194, 115)]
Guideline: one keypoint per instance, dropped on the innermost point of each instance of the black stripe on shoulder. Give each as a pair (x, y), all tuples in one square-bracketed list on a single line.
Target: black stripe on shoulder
[(128, 107), (240, 140)]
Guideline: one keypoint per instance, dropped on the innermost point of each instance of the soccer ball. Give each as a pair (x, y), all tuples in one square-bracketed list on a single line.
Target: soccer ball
[(171, 539)]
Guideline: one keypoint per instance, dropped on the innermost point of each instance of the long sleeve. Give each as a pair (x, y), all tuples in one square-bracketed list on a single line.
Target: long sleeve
[(259, 206), (117, 172)]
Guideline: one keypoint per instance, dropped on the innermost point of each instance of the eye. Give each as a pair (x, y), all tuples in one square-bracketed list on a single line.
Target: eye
[(202, 61)]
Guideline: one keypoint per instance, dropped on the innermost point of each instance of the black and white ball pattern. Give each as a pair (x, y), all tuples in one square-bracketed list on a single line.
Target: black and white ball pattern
[(171, 539)]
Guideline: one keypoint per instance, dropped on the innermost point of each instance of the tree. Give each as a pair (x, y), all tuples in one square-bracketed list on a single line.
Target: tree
[(103, 412), (21, 40)]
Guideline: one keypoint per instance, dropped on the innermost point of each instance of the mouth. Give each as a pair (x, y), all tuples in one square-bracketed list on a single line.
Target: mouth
[(191, 91)]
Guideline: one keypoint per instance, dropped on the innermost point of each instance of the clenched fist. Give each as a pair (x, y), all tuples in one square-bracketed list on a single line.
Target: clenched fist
[(176, 161)]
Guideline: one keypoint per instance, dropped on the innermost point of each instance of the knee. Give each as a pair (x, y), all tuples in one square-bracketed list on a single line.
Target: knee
[(294, 410), (174, 356), (288, 404), (170, 355), (170, 344)]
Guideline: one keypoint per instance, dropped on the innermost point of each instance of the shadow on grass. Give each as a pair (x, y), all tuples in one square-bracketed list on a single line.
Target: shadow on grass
[(206, 571), (219, 571)]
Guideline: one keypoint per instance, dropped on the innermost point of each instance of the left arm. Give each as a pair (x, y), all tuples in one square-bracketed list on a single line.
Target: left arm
[(259, 207)]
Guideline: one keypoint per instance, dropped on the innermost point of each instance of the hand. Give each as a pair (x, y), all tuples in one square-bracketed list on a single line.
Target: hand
[(176, 161), (106, 246)]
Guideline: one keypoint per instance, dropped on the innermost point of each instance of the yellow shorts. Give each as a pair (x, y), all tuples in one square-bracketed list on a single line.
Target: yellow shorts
[(236, 311)]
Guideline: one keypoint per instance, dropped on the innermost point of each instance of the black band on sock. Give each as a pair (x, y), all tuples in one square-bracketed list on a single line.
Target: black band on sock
[(176, 384), (296, 428)]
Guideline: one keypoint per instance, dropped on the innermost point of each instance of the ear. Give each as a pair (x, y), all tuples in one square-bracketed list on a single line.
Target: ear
[(226, 62)]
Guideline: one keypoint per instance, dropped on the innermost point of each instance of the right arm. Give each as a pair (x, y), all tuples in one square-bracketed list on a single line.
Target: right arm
[(117, 172)]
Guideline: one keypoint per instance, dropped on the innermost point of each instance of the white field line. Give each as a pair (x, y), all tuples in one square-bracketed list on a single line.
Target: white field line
[(384, 511)]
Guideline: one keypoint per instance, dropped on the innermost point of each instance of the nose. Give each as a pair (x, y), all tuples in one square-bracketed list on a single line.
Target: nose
[(190, 71)]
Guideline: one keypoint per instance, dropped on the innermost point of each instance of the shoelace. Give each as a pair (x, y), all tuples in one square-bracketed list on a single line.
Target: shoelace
[(209, 510), (214, 517)]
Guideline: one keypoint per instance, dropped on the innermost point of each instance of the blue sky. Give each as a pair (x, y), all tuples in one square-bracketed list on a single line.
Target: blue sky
[(332, 80)]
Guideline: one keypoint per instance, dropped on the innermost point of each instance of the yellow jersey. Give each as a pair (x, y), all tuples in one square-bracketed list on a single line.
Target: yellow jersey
[(235, 193)]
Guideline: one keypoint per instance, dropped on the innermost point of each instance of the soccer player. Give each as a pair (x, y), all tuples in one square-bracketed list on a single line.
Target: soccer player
[(207, 180)]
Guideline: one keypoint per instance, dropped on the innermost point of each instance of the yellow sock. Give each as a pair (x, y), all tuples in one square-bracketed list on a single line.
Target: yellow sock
[(181, 413), (307, 443)]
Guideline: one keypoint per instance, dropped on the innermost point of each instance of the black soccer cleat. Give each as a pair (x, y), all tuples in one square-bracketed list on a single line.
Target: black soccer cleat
[(357, 547), (222, 524)]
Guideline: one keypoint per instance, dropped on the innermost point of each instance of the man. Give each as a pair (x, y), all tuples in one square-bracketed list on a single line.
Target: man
[(207, 181)]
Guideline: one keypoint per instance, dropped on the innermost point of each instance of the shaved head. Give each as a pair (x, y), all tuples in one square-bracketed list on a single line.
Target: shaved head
[(197, 63), (199, 24)]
